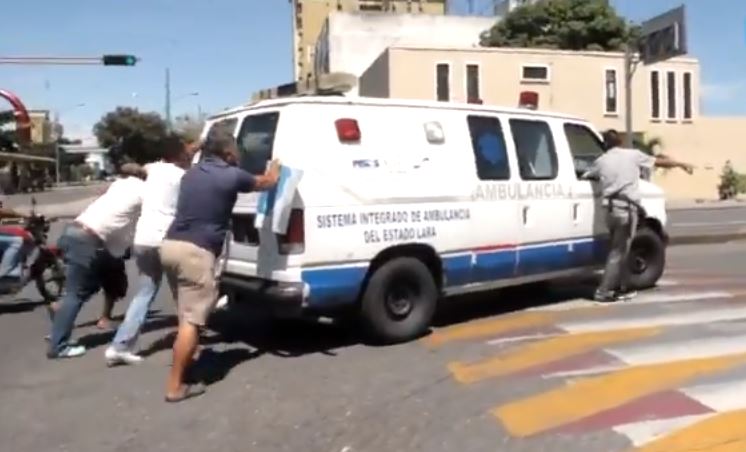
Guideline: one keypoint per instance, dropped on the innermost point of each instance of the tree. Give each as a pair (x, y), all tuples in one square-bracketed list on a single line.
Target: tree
[(131, 135), (562, 24), (189, 127)]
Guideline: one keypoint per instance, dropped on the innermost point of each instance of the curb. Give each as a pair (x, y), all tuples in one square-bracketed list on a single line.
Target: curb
[(706, 238)]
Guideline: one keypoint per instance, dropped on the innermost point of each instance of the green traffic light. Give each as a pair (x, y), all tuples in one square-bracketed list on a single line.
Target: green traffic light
[(119, 60)]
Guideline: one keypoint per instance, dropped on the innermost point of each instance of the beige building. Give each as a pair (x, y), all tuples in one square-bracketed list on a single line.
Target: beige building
[(41, 127), (666, 97), (309, 17)]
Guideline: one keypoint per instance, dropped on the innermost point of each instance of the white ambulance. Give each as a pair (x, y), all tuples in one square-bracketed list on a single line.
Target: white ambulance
[(404, 202)]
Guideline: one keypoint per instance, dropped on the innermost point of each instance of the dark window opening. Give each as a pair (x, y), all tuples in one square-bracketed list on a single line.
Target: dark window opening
[(687, 95), (534, 145), (443, 82), (655, 95), (671, 95), (472, 82), (490, 152)]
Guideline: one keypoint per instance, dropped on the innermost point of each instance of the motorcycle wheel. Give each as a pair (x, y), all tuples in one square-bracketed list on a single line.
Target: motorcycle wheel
[(51, 281)]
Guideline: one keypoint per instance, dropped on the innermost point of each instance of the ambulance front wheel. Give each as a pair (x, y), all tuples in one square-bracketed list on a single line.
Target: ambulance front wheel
[(399, 301), (647, 259)]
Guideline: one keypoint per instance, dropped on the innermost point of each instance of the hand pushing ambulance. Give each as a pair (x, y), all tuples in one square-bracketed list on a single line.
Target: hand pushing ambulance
[(402, 203)]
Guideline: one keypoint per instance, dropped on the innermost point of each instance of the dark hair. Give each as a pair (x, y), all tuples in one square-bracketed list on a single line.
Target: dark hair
[(612, 139), (172, 147), (218, 140)]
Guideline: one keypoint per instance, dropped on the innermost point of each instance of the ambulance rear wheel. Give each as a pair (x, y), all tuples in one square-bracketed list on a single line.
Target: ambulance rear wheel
[(399, 301), (647, 259)]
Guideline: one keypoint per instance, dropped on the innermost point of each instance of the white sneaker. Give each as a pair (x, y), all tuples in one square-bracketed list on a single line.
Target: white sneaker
[(71, 351), (115, 357)]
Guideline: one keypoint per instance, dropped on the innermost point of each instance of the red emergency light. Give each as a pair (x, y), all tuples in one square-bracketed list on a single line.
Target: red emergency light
[(529, 100)]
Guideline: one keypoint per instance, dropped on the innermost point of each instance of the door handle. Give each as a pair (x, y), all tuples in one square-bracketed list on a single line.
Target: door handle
[(576, 212), (525, 215)]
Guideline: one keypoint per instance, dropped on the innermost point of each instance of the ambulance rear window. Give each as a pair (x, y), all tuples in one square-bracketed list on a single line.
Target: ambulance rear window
[(256, 140)]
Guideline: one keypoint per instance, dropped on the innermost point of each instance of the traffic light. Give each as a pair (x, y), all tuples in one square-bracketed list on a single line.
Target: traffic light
[(119, 60)]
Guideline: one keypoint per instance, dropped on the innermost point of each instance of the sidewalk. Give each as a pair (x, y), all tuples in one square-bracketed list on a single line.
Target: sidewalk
[(687, 204)]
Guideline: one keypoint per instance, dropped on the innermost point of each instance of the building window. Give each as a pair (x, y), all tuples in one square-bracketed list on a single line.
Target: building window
[(490, 152), (443, 81), (534, 146), (687, 82), (472, 82), (655, 95), (535, 73), (670, 95), (611, 92)]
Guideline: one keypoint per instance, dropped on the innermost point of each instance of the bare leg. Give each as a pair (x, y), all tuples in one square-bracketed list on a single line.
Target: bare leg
[(104, 322), (185, 345)]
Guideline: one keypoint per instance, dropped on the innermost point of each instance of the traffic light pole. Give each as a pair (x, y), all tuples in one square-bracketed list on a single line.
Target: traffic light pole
[(105, 60)]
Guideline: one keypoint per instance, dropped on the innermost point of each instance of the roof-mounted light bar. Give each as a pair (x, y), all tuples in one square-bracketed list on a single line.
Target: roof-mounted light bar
[(334, 84)]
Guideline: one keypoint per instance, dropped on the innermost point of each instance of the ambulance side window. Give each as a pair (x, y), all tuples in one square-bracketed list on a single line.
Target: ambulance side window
[(534, 144), (256, 140), (488, 143), (585, 146)]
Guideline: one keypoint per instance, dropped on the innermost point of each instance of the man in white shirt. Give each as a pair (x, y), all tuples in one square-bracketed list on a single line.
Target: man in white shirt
[(158, 210), (100, 235)]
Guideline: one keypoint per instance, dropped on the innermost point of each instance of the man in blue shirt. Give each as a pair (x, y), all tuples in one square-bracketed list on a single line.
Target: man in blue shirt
[(207, 194)]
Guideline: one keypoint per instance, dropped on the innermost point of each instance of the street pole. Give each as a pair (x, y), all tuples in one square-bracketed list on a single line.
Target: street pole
[(168, 98), (628, 72)]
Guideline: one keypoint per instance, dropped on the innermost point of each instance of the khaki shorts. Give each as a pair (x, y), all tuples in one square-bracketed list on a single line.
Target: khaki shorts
[(191, 273)]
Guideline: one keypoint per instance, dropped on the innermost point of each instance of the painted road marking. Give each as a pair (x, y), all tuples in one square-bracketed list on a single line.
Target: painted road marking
[(522, 322), (719, 433), (542, 352), (647, 319), (660, 352), (589, 396), (678, 297), (641, 433)]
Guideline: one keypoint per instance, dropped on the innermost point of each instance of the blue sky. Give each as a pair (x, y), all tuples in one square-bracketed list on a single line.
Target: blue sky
[(226, 49)]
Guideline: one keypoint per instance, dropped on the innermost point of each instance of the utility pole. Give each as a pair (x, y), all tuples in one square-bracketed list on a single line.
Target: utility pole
[(168, 98), (629, 71)]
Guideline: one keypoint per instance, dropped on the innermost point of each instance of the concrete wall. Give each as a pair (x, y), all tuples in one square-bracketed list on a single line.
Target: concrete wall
[(355, 40), (576, 85), (375, 81), (309, 17)]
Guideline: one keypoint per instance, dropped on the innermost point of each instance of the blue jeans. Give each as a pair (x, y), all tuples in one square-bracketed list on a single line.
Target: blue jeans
[(151, 273), (11, 262), (85, 256)]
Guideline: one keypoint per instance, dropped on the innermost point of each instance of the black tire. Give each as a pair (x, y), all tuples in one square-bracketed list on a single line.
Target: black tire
[(647, 259), (399, 301), (51, 281)]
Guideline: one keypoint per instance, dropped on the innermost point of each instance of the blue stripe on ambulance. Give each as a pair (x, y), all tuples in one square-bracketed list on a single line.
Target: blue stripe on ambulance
[(339, 285)]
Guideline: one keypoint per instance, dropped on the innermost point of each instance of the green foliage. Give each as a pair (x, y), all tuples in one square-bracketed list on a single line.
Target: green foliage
[(131, 135), (731, 182), (647, 146), (562, 24)]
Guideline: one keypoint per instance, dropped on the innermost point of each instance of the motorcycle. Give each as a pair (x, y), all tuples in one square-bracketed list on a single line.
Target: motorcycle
[(41, 263)]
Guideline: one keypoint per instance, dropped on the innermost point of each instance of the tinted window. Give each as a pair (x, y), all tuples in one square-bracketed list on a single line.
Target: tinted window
[(472, 82), (671, 92), (655, 95), (585, 146), (255, 141), (488, 143), (687, 95), (443, 81), (537, 158)]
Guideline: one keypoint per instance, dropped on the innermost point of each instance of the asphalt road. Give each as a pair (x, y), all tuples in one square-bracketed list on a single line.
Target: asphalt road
[(510, 371)]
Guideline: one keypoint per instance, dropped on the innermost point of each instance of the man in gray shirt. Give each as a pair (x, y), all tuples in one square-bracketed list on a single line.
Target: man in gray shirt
[(618, 171)]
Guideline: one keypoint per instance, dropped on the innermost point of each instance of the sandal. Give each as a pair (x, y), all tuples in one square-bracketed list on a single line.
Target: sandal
[(190, 391)]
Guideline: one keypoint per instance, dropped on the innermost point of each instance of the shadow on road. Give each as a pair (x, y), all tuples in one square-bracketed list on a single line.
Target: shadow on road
[(20, 305), (465, 308)]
